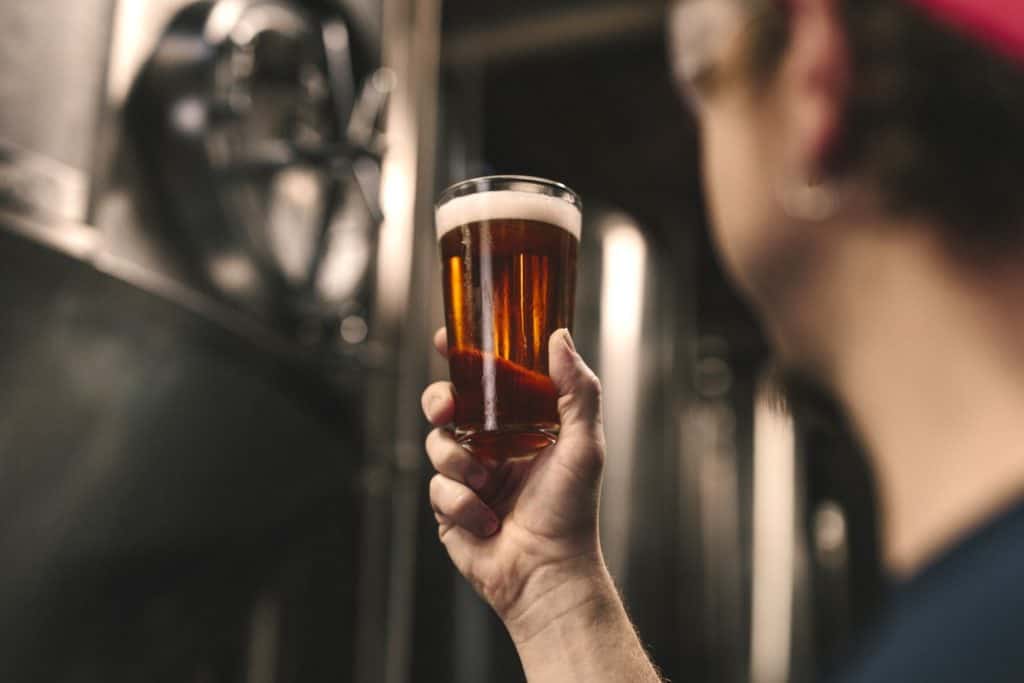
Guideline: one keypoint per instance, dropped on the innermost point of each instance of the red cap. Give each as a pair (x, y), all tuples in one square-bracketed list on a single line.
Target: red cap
[(997, 23)]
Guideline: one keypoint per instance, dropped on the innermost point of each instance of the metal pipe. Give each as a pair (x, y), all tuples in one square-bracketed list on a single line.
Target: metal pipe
[(411, 41)]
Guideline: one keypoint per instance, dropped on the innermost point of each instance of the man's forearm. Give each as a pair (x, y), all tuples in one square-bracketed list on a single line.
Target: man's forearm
[(581, 632)]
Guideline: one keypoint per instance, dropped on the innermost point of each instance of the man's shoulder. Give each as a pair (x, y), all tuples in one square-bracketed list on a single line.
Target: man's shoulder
[(961, 620)]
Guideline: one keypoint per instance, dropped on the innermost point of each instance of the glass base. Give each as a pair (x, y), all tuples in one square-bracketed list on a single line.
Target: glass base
[(510, 444)]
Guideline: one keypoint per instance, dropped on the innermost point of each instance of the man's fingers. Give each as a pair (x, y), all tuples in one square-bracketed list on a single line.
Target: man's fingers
[(579, 390), (441, 342), (454, 461), (444, 525), (438, 401), (457, 503)]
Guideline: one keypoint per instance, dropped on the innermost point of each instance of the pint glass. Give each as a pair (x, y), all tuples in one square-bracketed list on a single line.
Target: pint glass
[(508, 248)]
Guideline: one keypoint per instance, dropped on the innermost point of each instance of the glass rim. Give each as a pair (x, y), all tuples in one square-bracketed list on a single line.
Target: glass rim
[(514, 183)]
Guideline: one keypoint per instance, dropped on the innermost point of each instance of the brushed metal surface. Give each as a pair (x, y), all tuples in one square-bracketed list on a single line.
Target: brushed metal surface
[(54, 56), (160, 479)]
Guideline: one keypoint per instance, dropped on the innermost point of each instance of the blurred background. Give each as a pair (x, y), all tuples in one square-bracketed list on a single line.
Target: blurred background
[(218, 282)]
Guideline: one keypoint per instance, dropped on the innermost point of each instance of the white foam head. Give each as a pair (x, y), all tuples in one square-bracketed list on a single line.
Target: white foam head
[(495, 205)]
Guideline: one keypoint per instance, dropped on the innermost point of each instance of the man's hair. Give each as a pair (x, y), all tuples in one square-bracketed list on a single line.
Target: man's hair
[(934, 120)]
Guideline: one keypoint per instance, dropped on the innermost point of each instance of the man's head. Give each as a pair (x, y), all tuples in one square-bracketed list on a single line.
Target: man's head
[(822, 118)]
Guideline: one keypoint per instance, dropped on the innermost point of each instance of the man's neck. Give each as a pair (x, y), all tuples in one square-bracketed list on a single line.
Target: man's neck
[(925, 354)]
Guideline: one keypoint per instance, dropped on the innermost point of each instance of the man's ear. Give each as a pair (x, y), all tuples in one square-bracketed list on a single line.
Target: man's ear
[(814, 80)]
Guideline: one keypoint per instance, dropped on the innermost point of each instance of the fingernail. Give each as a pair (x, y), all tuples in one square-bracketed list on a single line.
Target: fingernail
[(567, 338), (433, 404), (476, 478), (491, 525)]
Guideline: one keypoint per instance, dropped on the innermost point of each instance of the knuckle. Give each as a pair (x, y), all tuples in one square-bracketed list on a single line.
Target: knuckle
[(451, 459), (436, 490), (592, 459), (452, 500), (444, 456), (445, 461), (463, 504), (432, 441)]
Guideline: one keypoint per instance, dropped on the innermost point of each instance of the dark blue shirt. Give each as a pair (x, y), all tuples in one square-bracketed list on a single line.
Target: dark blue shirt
[(961, 620)]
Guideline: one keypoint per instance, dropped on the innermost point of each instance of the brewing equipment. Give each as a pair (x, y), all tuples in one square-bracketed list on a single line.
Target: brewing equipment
[(191, 225)]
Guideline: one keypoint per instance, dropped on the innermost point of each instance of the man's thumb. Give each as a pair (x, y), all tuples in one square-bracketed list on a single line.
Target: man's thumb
[(579, 390)]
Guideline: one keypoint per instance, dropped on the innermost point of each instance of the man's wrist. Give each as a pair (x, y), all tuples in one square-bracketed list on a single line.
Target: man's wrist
[(579, 631), (571, 593)]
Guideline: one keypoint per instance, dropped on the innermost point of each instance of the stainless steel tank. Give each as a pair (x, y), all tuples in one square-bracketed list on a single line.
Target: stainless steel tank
[(189, 214)]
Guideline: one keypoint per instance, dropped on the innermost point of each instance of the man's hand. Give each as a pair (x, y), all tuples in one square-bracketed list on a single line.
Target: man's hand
[(541, 535), (535, 555)]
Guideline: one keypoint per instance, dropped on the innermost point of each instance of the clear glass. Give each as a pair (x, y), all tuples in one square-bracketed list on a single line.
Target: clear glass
[(509, 246)]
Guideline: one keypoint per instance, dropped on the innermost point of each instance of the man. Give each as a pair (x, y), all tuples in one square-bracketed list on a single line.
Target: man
[(865, 167)]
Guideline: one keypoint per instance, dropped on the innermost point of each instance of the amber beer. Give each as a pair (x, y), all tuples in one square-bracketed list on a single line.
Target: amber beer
[(508, 248)]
